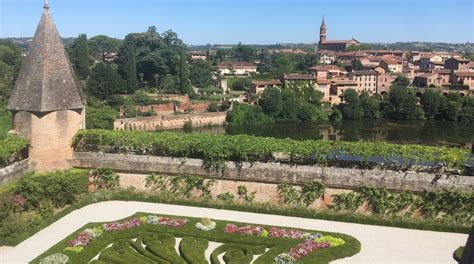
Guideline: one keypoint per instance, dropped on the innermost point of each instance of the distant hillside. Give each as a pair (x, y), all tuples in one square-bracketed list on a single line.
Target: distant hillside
[(25, 42), (427, 46)]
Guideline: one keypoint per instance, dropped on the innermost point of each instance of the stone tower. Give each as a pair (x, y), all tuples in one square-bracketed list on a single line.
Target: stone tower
[(47, 102), (322, 32)]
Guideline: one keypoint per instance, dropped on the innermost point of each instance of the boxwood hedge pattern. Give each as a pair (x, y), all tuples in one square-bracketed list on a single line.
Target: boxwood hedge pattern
[(149, 243), (215, 150)]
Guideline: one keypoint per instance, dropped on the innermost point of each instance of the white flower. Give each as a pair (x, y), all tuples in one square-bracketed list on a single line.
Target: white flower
[(55, 259), (206, 228)]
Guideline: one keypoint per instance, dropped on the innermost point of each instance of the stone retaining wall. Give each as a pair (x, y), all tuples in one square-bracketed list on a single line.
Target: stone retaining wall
[(153, 123), (332, 177), (14, 171)]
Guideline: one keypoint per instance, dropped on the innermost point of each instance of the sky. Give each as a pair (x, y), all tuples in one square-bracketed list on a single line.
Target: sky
[(251, 21)]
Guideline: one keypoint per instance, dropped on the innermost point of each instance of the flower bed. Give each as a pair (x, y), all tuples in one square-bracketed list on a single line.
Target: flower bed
[(149, 238), (88, 235)]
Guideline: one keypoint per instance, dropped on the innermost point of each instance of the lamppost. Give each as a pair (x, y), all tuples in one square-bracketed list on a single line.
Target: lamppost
[(156, 76), (141, 78)]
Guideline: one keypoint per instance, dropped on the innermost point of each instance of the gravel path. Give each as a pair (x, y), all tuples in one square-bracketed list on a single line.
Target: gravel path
[(379, 244)]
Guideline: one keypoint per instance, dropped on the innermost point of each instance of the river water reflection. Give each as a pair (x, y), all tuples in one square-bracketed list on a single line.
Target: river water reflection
[(433, 133)]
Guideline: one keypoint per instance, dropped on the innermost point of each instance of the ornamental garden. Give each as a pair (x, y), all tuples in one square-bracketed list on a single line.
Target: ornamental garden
[(148, 238)]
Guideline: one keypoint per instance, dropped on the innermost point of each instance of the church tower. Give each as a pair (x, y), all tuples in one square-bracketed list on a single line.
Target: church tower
[(47, 102), (322, 32)]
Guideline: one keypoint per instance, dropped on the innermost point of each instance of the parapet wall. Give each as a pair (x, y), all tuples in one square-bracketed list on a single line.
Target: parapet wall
[(153, 123), (332, 177), (14, 171)]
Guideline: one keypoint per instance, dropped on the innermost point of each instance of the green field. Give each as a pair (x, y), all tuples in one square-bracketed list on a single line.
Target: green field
[(151, 242)]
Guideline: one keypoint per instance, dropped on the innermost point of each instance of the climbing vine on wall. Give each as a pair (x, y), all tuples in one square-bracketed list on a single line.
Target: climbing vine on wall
[(308, 193), (182, 184)]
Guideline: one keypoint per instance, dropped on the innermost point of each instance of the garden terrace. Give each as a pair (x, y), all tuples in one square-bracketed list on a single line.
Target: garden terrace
[(215, 150), (13, 149), (145, 238)]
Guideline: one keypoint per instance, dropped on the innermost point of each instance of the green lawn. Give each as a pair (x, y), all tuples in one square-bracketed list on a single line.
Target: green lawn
[(149, 243)]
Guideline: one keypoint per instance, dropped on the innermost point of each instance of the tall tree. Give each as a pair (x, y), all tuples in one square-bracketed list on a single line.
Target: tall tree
[(128, 67), (352, 108), (431, 102), (80, 56), (401, 81), (104, 81), (99, 45), (184, 82)]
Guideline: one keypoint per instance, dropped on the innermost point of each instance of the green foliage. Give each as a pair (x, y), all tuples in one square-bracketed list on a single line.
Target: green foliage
[(193, 249), (79, 56), (292, 105), (352, 108), (17, 223), (403, 105), (245, 53), (10, 64), (105, 178), (104, 81), (242, 84), (182, 184), (101, 44), (308, 193), (243, 194), (401, 81), (430, 102), (188, 127), (11, 150), (244, 114), (128, 67), (226, 197), (184, 81), (215, 150), (357, 65), (101, 118), (213, 107), (5, 120), (201, 74), (59, 188), (444, 205)]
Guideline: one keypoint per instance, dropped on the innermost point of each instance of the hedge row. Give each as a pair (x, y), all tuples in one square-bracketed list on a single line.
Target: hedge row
[(215, 150), (11, 150)]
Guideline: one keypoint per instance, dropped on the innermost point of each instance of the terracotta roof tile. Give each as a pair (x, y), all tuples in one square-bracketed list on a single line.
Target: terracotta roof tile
[(46, 81)]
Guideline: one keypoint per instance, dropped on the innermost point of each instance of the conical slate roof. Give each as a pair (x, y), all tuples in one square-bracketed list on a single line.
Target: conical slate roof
[(46, 81)]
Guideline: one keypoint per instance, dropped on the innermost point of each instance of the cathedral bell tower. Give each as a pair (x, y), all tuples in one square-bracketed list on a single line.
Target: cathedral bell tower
[(47, 103), (322, 32)]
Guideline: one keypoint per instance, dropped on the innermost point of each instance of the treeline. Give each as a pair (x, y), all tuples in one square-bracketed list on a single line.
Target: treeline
[(280, 106), (402, 104)]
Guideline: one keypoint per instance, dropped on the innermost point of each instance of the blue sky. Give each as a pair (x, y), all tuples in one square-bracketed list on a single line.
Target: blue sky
[(251, 21)]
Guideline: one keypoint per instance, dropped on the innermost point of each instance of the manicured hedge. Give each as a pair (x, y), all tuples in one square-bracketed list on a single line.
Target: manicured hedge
[(11, 150), (166, 249), (215, 150)]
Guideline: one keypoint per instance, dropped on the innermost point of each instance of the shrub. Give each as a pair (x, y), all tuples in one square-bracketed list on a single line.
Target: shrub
[(11, 150), (18, 223), (105, 178), (226, 197)]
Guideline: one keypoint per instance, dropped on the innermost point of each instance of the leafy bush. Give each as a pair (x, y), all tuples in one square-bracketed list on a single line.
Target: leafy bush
[(60, 188), (226, 197), (215, 150), (182, 184), (11, 150), (18, 223), (105, 178)]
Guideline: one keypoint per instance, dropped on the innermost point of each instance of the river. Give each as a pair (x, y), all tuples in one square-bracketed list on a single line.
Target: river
[(433, 133)]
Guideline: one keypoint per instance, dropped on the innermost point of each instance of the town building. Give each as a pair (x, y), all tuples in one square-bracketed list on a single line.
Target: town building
[(198, 55), (259, 86), (457, 64), (426, 80), (327, 56), (431, 62), (324, 85), (336, 45), (298, 81), (384, 83), (327, 71), (392, 65), (236, 68), (365, 80), (337, 90), (466, 78)]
